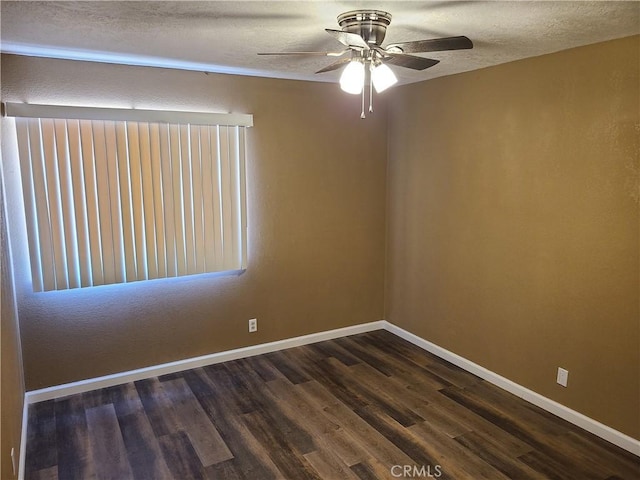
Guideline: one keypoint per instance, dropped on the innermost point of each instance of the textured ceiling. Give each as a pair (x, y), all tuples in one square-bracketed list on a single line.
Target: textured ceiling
[(226, 36)]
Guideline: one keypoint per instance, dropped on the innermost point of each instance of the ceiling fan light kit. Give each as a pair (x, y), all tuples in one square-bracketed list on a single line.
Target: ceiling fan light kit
[(382, 77), (363, 32), (352, 78)]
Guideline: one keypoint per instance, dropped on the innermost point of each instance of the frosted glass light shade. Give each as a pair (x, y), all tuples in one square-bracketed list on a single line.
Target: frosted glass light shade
[(352, 79), (382, 77)]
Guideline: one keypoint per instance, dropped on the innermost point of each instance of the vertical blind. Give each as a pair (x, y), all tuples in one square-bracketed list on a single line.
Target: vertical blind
[(115, 201)]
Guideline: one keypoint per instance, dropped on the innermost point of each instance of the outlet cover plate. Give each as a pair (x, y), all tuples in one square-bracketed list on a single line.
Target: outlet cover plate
[(13, 461), (253, 325), (563, 376)]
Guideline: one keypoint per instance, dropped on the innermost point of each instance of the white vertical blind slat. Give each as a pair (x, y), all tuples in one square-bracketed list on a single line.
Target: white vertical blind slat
[(196, 182), (158, 204), (115, 209), (242, 192), (91, 201), (136, 199), (234, 189), (226, 199), (166, 173), (178, 199), (126, 212), (187, 199), (79, 203), (207, 199), (22, 130), (42, 205), (66, 200), (148, 207), (104, 202), (55, 205), (217, 197), (113, 201)]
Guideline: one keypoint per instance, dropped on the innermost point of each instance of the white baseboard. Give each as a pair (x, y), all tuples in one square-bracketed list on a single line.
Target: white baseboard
[(589, 424), (59, 391), (607, 433), (23, 440)]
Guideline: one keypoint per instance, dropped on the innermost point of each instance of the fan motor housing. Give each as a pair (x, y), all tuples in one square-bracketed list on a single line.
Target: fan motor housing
[(371, 25)]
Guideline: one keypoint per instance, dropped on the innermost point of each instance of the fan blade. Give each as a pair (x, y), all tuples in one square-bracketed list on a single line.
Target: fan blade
[(348, 39), (433, 45), (409, 61), (335, 65), (314, 54)]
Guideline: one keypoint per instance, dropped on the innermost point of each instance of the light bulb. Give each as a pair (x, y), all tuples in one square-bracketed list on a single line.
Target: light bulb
[(382, 77), (352, 79)]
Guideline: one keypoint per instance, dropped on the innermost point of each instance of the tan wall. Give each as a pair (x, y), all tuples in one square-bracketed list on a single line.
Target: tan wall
[(513, 223), (11, 374), (316, 213)]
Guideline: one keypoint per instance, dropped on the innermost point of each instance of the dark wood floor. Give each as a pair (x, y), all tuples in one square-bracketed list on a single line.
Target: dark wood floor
[(369, 406)]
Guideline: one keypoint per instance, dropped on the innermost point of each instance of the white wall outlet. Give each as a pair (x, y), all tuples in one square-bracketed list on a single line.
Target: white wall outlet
[(563, 376), (253, 325), (13, 461)]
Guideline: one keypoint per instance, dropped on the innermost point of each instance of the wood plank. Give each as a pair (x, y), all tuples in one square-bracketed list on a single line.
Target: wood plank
[(284, 453), (299, 408), (616, 459), (373, 469), (328, 465), (224, 381), (546, 445), (366, 437), (473, 421), (143, 449), (42, 452), (332, 349), (50, 473), (403, 367), (438, 366), (515, 407), (204, 436), (389, 394), (336, 449), (158, 407), (181, 457), (350, 390), (494, 456), (376, 361), (252, 459), (326, 374), (285, 362), (454, 459), (345, 446), (74, 456), (106, 444), (402, 438), (264, 368), (271, 410), (364, 472), (548, 467), (414, 401), (226, 470)]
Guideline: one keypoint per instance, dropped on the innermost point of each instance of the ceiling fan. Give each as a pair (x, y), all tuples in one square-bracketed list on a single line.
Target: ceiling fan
[(362, 34)]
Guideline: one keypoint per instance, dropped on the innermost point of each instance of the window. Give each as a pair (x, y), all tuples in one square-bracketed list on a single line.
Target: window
[(115, 196)]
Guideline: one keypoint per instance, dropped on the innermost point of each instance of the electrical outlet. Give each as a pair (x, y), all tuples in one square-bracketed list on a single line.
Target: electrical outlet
[(563, 376), (13, 461), (253, 325)]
